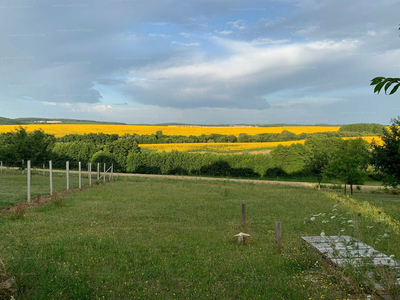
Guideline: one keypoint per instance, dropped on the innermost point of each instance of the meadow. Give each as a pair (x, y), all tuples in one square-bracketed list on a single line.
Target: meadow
[(147, 238), (13, 185), (60, 130)]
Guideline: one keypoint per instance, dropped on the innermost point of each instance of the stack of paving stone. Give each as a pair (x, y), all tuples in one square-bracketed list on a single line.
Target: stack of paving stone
[(345, 250)]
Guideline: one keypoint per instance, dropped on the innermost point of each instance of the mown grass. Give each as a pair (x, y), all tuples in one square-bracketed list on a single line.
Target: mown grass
[(146, 238)]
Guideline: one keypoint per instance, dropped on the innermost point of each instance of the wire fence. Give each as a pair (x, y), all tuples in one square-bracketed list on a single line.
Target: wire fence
[(24, 182)]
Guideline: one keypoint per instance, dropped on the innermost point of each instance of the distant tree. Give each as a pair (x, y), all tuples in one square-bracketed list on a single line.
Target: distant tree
[(364, 127), (103, 157), (120, 150), (290, 159), (159, 134), (386, 157), (19, 145), (350, 163), (322, 150)]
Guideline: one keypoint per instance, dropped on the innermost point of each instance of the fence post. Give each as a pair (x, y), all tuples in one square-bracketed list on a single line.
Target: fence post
[(67, 173), (23, 165), (44, 170), (243, 214), (29, 181), (80, 175), (98, 171), (51, 177), (278, 235), (112, 171), (104, 177), (1, 167), (90, 173)]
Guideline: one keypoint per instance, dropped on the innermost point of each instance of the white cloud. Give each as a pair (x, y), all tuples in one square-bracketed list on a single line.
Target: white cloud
[(239, 24), (186, 44), (263, 41), (224, 32)]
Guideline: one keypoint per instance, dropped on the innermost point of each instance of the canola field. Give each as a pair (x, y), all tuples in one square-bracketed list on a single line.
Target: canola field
[(217, 147), (231, 147), (60, 130)]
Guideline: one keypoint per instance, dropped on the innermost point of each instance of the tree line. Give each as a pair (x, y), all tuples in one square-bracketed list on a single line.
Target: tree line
[(354, 130), (322, 155)]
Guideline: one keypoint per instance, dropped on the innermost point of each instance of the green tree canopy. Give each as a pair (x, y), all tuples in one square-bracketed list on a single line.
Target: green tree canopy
[(350, 163), (19, 145), (386, 157), (322, 150)]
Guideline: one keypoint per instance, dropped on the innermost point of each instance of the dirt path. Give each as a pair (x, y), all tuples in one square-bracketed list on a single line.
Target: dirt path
[(290, 183)]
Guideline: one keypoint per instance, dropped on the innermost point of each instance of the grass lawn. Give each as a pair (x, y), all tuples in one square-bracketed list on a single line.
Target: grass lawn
[(13, 185), (148, 238)]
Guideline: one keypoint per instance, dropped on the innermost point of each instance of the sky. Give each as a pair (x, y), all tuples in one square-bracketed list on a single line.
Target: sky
[(199, 61)]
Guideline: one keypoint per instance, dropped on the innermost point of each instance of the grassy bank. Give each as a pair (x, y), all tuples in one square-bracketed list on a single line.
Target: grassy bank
[(146, 238)]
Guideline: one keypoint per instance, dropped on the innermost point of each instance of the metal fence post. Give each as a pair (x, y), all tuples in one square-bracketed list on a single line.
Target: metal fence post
[(29, 181), (90, 173), (67, 173), (80, 175), (51, 177)]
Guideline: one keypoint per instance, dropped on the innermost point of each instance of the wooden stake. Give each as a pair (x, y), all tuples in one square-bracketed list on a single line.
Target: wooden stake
[(278, 235), (243, 214)]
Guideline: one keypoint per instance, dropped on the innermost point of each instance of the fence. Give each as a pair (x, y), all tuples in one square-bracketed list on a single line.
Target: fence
[(80, 173)]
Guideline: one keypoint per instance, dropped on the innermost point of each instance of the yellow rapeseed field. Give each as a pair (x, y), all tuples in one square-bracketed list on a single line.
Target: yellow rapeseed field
[(228, 147), (60, 130), (369, 139), (210, 147)]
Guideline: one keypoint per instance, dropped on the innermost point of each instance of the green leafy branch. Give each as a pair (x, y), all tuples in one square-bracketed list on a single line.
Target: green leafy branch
[(383, 82)]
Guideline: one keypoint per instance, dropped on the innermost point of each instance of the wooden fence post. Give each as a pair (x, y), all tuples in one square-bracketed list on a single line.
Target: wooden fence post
[(104, 177), (278, 235), (67, 173), (1, 167), (98, 171), (243, 214), (29, 181), (112, 171), (44, 170), (51, 177), (80, 175)]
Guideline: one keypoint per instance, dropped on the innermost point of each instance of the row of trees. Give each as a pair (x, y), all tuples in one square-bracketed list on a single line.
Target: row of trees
[(320, 156), (355, 130)]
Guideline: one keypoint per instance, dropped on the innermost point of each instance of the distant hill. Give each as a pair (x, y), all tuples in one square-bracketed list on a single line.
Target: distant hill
[(26, 121), (241, 125), (6, 121)]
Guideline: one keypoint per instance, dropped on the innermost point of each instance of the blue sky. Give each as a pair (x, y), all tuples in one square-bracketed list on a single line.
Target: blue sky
[(199, 61)]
